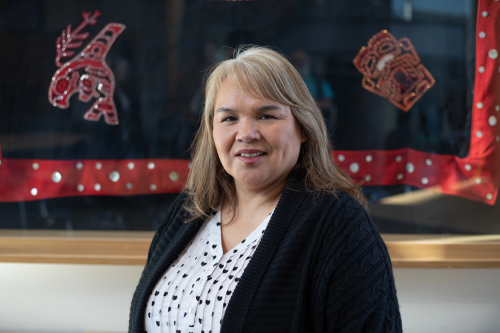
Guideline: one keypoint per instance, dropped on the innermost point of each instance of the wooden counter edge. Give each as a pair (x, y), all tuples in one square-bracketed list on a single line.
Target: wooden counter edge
[(112, 256), (139, 260)]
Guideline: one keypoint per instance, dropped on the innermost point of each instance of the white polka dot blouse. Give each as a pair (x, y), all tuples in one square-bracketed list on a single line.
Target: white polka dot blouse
[(194, 292)]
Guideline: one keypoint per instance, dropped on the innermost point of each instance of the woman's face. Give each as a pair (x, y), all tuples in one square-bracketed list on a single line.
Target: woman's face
[(257, 140)]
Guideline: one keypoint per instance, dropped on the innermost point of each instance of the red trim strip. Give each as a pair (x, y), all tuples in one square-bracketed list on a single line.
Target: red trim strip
[(25, 180)]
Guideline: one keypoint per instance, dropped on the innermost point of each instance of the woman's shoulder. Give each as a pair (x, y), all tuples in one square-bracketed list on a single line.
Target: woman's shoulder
[(340, 216), (173, 212), (176, 207), (338, 200), (347, 230)]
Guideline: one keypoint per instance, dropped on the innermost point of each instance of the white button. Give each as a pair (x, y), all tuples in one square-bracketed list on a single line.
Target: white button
[(425, 181), (130, 165), (354, 167), (368, 178), (98, 165), (484, 13), (341, 158), (399, 158), (114, 176), (79, 165), (35, 166), (151, 165), (479, 105), (174, 176), (478, 180), (428, 162), (480, 69), (190, 310), (34, 191), (369, 158), (492, 120), (400, 176), (489, 196), (196, 293), (56, 177), (493, 54), (479, 134), (410, 167), (468, 167), (482, 34)]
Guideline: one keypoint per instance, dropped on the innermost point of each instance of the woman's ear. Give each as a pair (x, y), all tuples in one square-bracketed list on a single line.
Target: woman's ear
[(303, 136)]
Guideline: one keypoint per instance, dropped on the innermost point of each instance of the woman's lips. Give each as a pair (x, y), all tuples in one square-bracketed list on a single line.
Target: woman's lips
[(250, 160), (250, 156)]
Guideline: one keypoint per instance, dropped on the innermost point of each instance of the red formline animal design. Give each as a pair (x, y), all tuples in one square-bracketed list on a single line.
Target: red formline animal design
[(392, 69), (86, 73)]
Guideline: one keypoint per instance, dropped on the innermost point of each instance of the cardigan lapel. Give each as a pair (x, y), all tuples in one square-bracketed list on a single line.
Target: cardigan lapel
[(292, 196), (165, 254)]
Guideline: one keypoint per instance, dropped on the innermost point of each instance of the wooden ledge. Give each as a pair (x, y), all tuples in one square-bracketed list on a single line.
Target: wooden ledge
[(131, 248), (75, 247), (443, 251)]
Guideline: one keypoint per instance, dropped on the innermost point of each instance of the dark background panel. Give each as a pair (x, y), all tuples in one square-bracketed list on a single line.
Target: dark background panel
[(159, 63), (160, 59)]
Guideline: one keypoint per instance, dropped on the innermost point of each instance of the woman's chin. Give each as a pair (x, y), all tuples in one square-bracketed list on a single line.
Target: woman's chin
[(252, 179)]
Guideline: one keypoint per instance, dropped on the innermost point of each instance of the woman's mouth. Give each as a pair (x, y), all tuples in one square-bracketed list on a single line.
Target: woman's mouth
[(250, 156)]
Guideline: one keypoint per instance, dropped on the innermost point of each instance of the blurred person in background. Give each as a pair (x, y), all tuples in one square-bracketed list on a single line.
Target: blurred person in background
[(318, 86)]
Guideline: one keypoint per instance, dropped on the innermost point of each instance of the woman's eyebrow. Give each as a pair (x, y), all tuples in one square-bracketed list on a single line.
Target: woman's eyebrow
[(224, 109), (270, 107)]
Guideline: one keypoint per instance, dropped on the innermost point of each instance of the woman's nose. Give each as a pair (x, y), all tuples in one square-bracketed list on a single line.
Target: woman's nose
[(247, 131)]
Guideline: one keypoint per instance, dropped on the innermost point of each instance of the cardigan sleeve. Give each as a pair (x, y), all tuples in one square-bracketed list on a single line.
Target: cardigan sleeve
[(359, 290)]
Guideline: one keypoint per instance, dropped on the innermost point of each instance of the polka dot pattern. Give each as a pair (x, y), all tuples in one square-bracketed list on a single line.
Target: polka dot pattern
[(193, 294)]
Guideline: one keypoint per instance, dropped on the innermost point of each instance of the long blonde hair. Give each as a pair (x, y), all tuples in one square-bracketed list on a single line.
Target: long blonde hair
[(267, 74)]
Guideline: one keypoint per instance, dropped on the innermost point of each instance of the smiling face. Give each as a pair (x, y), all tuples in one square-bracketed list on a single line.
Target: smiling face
[(257, 140)]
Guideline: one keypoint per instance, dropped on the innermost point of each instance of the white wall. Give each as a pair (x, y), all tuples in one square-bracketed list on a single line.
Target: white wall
[(449, 300), (77, 298), (66, 298)]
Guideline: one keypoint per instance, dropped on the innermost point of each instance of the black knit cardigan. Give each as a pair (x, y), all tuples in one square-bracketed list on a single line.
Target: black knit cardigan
[(321, 266)]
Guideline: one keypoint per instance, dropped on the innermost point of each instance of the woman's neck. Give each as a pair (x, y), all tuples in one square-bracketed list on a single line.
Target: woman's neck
[(250, 200)]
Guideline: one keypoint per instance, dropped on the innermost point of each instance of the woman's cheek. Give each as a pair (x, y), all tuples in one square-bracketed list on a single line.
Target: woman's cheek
[(223, 143)]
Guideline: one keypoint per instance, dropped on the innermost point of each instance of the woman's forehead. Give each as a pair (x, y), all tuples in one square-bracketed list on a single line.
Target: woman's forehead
[(261, 108), (231, 94)]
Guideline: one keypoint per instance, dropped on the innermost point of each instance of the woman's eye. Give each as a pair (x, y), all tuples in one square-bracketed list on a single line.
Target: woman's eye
[(266, 116), (229, 119)]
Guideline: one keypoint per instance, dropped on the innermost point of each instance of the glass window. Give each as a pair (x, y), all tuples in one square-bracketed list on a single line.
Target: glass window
[(100, 101)]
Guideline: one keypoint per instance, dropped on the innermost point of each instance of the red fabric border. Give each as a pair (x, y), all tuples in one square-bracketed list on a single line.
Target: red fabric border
[(24, 180), (475, 177)]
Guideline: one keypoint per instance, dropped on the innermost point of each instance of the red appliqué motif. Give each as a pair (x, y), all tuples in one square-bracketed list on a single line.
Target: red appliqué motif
[(87, 72), (392, 69)]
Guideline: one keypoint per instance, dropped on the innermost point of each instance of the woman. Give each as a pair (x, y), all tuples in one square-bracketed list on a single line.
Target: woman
[(269, 234)]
